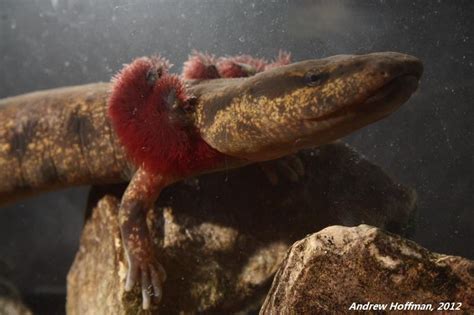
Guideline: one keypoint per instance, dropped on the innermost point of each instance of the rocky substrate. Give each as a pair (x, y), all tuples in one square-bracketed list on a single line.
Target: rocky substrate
[(13, 306), (343, 269), (221, 237), (10, 300)]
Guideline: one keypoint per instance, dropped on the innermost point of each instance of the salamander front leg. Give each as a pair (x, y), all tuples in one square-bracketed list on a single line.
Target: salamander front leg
[(143, 264)]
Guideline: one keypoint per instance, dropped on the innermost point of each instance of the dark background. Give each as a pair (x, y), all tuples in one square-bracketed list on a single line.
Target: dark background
[(427, 144)]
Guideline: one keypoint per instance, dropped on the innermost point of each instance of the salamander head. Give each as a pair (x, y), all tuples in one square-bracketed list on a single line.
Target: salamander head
[(304, 104)]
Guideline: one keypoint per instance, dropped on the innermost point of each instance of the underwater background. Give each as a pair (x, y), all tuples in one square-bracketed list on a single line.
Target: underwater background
[(427, 144)]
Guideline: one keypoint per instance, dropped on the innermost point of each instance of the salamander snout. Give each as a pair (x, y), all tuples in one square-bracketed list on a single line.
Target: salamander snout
[(391, 65)]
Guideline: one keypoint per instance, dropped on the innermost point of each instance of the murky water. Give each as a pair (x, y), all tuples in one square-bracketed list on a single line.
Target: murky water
[(426, 145)]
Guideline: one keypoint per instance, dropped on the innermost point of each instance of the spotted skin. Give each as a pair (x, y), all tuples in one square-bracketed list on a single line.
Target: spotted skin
[(280, 111), (242, 66), (144, 266), (58, 138), (63, 137)]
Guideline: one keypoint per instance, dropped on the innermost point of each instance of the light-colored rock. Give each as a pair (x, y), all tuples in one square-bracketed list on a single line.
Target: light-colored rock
[(328, 271), (9, 306), (222, 236), (10, 301)]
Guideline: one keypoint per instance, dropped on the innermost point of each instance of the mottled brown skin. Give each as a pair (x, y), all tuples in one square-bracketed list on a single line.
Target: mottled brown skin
[(280, 111), (144, 266), (63, 137), (57, 138)]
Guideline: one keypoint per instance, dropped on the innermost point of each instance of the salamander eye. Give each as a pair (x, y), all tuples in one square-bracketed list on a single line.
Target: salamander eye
[(315, 78)]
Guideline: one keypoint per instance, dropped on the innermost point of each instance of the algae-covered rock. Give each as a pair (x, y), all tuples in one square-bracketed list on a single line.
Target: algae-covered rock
[(339, 268), (222, 236)]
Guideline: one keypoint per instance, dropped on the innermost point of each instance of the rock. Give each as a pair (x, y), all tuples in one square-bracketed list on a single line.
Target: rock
[(10, 301), (328, 271), (12, 306), (222, 236)]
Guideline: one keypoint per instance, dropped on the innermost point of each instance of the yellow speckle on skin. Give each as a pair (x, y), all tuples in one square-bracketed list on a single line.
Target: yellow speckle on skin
[(246, 115), (5, 147)]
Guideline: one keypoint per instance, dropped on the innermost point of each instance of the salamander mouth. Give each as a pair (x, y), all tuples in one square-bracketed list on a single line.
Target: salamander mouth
[(391, 95), (382, 102)]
